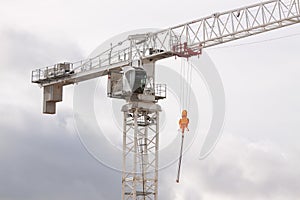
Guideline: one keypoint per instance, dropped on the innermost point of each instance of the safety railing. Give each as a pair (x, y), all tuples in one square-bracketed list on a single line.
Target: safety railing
[(160, 91), (52, 72)]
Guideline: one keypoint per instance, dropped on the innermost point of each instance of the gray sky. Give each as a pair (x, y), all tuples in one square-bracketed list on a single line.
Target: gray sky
[(41, 156)]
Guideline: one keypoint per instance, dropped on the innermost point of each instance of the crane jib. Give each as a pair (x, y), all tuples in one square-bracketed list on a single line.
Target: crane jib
[(185, 40)]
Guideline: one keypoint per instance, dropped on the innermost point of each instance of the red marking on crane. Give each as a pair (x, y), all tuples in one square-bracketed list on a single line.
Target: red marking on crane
[(182, 50)]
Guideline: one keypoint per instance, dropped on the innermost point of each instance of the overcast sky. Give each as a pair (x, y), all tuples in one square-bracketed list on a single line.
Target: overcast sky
[(41, 156)]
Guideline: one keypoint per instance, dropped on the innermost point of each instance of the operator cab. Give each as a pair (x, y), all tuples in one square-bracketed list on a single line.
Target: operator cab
[(134, 80), (126, 84)]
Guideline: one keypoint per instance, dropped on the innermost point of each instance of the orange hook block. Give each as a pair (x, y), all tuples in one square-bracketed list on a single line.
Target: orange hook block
[(184, 121)]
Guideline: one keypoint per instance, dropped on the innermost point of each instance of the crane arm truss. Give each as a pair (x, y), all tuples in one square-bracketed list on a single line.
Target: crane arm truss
[(184, 40)]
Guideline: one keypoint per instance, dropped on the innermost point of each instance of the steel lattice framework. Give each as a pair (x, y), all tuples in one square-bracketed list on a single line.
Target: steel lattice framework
[(183, 40), (140, 152), (141, 116)]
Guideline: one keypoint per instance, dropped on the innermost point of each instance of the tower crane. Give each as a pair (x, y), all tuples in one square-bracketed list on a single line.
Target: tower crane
[(130, 68)]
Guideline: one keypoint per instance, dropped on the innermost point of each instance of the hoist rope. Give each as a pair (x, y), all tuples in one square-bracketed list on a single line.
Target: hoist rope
[(185, 84), (189, 86), (185, 93), (181, 86)]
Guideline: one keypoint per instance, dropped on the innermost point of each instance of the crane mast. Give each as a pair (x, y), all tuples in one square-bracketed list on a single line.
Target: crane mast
[(141, 51)]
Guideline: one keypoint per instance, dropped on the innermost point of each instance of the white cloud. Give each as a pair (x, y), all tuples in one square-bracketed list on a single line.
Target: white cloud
[(237, 169)]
